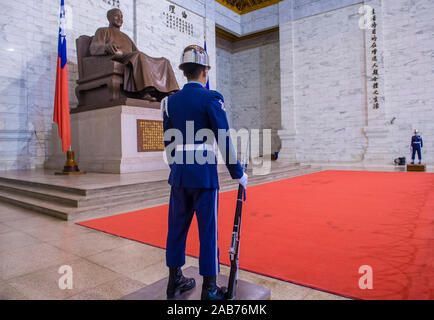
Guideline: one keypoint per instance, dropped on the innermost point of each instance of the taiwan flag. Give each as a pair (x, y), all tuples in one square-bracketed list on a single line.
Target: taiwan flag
[(61, 98)]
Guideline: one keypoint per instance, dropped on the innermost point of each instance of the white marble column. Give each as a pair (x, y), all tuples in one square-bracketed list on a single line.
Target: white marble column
[(288, 132)]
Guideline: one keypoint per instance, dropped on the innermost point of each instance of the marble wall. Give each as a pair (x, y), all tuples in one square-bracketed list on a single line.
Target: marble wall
[(248, 75), (326, 81), (409, 74), (155, 38), (224, 75), (329, 92)]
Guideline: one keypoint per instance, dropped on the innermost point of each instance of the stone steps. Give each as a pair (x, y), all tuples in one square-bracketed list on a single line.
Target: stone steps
[(62, 190), (67, 213), (74, 203), (42, 186)]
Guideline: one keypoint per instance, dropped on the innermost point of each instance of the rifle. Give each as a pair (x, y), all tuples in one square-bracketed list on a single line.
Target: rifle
[(235, 243)]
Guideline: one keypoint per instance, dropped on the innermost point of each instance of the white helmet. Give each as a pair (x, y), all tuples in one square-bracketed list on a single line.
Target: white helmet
[(195, 54), (416, 131)]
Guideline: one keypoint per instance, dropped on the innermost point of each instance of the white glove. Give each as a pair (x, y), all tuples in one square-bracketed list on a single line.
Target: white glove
[(243, 180)]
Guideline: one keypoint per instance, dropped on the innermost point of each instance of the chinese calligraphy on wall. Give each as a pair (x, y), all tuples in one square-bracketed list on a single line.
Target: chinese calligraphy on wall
[(113, 3), (177, 22), (374, 51)]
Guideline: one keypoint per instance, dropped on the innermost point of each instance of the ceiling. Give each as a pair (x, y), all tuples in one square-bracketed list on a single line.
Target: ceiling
[(245, 6)]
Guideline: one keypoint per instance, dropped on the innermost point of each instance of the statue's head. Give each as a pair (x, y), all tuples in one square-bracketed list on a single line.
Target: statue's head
[(115, 17)]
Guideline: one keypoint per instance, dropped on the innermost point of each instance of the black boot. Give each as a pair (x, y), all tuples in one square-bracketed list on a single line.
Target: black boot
[(210, 290), (177, 282)]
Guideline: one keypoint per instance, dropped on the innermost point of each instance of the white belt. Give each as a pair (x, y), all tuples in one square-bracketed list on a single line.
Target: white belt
[(193, 147)]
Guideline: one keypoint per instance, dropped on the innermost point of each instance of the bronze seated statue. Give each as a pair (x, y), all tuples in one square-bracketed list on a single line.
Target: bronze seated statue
[(113, 72)]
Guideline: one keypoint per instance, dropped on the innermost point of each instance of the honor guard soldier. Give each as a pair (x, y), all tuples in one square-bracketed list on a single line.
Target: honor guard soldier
[(416, 145), (194, 184)]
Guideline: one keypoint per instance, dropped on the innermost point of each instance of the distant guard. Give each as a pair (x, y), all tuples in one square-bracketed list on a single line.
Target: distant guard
[(416, 145), (194, 184)]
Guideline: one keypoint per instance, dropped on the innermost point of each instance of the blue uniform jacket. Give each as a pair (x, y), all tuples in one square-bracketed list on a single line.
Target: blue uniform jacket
[(206, 109), (416, 141)]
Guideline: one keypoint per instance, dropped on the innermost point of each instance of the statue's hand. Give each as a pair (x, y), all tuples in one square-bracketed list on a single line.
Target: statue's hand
[(110, 48), (118, 54)]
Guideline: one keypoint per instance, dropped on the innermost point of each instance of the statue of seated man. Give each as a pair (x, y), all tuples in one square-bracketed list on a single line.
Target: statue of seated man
[(144, 77)]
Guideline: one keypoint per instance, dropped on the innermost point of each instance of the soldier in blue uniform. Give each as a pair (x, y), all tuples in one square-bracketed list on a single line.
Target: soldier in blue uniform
[(194, 183), (416, 145)]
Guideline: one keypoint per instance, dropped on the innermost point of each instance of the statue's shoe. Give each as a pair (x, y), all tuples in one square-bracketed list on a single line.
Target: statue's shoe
[(148, 97)]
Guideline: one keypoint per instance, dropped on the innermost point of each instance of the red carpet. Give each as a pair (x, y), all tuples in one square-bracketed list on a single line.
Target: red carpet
[(319, 229)]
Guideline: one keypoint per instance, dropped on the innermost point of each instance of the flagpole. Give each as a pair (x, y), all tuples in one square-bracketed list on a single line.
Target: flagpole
[(204, 40), (204, 25), (61, 100)]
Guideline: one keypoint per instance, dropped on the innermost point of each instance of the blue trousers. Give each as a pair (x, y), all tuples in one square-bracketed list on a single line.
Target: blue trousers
[(183, 203), (419, 153)]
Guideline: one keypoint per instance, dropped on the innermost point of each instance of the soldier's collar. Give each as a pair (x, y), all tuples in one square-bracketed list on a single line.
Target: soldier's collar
[(194, 83)]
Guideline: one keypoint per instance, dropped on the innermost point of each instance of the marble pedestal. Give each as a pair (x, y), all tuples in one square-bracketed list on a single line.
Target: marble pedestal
[(105, 140), (416, 167)]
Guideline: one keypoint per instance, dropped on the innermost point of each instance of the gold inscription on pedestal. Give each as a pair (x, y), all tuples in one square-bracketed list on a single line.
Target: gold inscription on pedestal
[(149, 135)]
